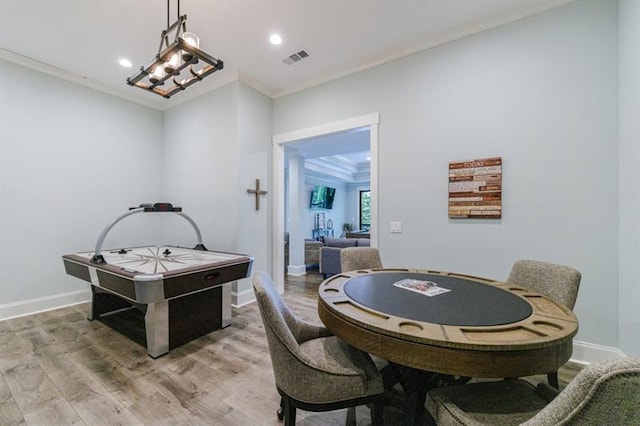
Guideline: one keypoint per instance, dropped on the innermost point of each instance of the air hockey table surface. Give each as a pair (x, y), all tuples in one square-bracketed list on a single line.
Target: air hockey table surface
[(151, 260)]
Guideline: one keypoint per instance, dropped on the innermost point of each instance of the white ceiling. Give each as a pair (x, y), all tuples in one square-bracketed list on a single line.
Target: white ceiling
[(342, 156), (352, 144), (82, 40)]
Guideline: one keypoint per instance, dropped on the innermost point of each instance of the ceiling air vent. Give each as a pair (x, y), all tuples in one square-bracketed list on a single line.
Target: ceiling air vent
[(296, 57)]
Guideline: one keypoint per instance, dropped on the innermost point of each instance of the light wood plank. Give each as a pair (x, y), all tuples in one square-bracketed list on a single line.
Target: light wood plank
[(10, 414), (55, 412), (160, 409), (125, 385)]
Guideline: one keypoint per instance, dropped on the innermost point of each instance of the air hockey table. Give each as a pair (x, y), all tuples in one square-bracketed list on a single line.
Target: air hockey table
[(170, 295)]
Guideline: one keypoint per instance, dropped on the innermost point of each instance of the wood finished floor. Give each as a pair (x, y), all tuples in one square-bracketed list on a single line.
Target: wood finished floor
[(58, 368)]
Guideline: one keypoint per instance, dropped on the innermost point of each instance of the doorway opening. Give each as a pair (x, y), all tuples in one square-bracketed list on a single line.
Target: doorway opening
[(319, 142)]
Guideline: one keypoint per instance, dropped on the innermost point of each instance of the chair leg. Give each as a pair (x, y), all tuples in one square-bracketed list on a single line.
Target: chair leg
[(351, 416), (552, 378), (377, 413), (429, 420), (280, 411), (415, 384), (389, 375), (289, 412)]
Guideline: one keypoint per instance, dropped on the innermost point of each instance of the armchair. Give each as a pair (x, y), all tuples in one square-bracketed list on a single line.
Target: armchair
[(559, 282), (602, 393), (314, 370), (353, 258)]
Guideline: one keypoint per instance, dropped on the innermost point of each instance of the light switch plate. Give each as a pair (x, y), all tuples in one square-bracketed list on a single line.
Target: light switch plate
[(396, 227)]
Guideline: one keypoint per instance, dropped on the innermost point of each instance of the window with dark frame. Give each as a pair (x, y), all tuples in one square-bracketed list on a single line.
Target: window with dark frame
[(365, 210)]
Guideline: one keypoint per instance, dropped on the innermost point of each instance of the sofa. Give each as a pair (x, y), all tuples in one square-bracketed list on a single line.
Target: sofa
[(330, 253)]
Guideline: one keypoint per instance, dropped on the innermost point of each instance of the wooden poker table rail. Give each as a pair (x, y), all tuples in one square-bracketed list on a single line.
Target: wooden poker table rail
[(537, 344)]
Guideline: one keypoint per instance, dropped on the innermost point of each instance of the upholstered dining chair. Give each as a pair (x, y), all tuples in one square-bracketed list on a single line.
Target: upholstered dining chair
[(314, 370), (558, 282), (603, 393), (354, 258)]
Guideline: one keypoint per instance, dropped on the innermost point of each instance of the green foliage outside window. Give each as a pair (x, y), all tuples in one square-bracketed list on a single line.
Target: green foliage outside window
[(365, 210)]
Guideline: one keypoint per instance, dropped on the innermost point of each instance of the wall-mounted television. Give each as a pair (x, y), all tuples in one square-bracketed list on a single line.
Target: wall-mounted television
[(322, 197)]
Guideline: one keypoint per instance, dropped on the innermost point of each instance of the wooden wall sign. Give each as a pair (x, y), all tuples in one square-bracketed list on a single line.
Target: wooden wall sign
[(475, 189)]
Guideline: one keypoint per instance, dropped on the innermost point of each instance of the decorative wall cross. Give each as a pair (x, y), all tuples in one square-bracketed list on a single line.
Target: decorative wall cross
[(257, 192)]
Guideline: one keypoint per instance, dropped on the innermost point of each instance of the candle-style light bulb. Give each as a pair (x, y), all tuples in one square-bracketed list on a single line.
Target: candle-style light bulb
[(192, 40), (157, 75), (170, 67)]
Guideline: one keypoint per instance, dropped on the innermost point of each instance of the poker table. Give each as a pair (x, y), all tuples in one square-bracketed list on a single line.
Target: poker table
[(160, 296), (468, 326)]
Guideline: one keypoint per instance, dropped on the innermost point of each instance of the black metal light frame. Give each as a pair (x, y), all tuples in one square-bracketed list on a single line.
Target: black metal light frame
[(191, 55)]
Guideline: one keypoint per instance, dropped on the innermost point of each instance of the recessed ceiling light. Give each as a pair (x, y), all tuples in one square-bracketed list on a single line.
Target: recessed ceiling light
[(125, 63), (275, 39)]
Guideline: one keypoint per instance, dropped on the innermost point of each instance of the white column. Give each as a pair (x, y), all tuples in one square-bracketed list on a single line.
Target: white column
[(296, 215)]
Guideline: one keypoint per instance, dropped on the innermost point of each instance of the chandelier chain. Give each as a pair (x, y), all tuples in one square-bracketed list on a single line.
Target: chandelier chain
[(168, 11)]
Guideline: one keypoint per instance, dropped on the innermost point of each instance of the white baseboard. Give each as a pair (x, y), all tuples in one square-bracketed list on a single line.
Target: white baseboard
[(296, 270), (587, 353), (42, 304), (242, 298)]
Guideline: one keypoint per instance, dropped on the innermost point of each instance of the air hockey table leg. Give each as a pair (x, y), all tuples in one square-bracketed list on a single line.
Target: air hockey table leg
[(226, 305), (157, 328)]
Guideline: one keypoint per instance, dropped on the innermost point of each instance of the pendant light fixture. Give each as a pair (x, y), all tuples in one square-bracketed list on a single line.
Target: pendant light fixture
[(178, 64)]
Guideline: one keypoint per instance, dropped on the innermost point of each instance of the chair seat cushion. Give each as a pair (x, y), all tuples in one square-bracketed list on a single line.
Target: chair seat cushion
[(341, 372), (505, 402)]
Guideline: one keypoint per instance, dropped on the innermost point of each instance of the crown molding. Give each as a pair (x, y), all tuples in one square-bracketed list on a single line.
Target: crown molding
[(54, 71), (325, 167), (150, 100), (338, 167)]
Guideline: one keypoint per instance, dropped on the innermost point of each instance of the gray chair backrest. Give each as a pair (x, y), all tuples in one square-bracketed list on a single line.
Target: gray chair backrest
[(603, 393), (558, 282), (279, 321), (306, 363), (354, 258)]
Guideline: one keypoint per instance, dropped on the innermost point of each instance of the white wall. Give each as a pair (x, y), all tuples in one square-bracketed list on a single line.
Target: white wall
[(201, 168), (215, 148), (254, 149), (629, 106), (71, 160), (541, 93)]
